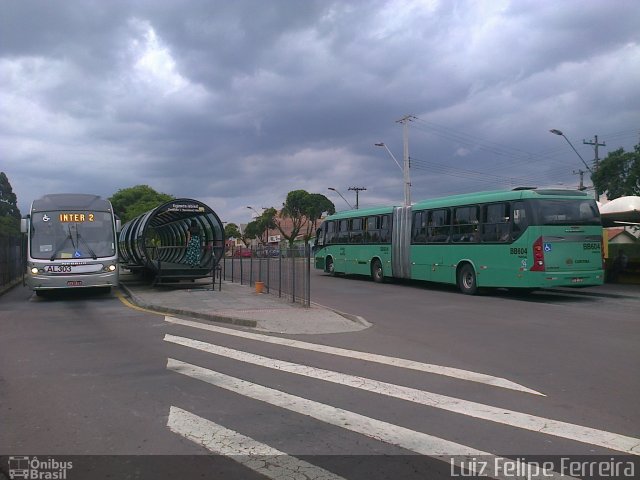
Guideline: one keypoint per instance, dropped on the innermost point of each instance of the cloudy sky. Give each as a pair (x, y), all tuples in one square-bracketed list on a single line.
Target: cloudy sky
[(236, 103)]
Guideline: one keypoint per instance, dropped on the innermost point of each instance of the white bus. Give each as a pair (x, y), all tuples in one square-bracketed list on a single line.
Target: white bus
[(71, 243)]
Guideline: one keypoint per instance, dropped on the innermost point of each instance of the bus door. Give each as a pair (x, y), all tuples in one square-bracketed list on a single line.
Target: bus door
[(440, 256), (340, 260), (419, 265)]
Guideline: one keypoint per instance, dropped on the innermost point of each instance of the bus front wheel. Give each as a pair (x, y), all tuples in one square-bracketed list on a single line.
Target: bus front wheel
[(329, 268), (376, 271), (467, 279)]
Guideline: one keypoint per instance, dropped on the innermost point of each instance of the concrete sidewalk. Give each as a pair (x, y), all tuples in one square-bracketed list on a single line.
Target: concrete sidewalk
[(238, 305)]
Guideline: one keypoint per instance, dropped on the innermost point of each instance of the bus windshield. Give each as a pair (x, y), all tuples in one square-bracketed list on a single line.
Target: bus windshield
[(564, 212), (72, 235)]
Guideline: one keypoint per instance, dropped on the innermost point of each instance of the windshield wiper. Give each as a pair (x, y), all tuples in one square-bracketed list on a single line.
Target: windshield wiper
[(79, 237), (60, 247)]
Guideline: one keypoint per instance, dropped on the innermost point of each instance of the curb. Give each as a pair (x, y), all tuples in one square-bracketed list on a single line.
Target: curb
[(589, 293), (187, 313), (5, 288), (354, 318)]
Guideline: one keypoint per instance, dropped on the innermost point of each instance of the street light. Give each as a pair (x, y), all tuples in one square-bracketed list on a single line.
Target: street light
[(391, 154), (405, 174), (251, 208), (558, 132), (334, 190)]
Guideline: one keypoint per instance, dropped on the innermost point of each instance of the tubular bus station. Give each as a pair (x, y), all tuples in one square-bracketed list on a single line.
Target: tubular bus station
[(155, 243)]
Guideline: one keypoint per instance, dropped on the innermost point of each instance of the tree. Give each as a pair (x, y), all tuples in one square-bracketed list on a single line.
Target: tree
[(317, 205), (259, 228), (130, 202), (9, 211), (231, 230), (252, 231), (619, 174), (304, 209)]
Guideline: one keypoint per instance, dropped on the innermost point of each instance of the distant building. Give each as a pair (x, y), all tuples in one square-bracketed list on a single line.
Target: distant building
[(621, 235), (275, 237), (625, 240)]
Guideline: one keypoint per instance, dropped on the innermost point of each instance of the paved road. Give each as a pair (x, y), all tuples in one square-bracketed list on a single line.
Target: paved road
[(578, 349), (88, 375)]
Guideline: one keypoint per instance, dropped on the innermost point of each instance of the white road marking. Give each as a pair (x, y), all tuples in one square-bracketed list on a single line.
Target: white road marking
[(257, 456), (403, 437), (511, 418), (417, 442), (369, 357)]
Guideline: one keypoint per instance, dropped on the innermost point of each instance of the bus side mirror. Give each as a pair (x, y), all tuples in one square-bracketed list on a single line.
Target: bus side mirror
[(24, 225), (118, 225)]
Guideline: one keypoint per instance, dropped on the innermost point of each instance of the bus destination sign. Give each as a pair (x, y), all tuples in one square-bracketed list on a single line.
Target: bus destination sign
[(76, 217)]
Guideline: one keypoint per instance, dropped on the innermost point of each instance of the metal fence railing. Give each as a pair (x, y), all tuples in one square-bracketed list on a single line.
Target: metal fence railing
[(10, 260), (283, 272)]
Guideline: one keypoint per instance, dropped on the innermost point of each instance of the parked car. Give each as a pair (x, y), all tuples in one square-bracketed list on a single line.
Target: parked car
[(242, 252)]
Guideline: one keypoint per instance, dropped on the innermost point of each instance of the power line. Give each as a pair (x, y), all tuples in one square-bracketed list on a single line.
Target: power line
[(502, 150), (465, 173)]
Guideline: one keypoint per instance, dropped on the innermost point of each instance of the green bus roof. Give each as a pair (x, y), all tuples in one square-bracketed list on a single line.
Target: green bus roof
[(497, 196), (467, 199), (363, 212)]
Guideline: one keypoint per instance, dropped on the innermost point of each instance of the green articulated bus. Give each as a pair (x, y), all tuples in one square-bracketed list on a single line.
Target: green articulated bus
[(523, 238)]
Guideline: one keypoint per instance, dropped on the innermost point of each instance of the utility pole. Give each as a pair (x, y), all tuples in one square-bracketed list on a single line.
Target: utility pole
[(596, 160), (404, 121), (357, 190), (581, 173)]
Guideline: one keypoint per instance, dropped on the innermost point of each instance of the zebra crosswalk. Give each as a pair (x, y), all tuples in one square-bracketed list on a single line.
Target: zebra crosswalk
[(225, 441), (268, 461)]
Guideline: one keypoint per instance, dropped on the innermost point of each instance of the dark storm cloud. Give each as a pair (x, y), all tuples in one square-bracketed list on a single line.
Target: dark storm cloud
[(237, 103)]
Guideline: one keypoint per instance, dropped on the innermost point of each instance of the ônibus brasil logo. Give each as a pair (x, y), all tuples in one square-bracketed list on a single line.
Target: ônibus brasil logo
[(36, 469)]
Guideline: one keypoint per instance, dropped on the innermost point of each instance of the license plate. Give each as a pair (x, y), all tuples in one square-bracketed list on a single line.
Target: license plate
[(74, 283), (58, 269), (577, 280), (73, 268)]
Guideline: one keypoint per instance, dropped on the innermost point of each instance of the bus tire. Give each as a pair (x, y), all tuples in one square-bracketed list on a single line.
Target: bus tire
[(467, 282), (377, 275), (329, 267)]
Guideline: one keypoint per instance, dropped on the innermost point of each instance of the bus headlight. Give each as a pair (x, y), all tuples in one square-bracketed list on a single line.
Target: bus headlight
[(34, 270), (112, 268)]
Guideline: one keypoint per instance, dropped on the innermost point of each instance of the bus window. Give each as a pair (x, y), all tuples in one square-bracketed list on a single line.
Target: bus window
[(520, 221), (385, 229), (320, 236), (330, 235), (439, 226), (565, 212), (356, 234), (419, 228), (465, 224), (343, 231), (372, 230), (495, 226)]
